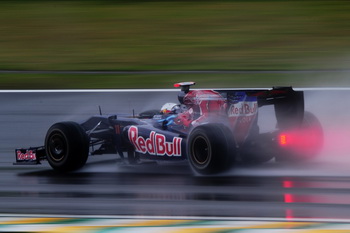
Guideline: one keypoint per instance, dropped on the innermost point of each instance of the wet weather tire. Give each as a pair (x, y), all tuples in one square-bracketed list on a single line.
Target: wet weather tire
[(67, 146), (211, 149)]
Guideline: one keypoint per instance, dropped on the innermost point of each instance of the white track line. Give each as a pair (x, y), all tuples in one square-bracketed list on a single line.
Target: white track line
[(162, 90)]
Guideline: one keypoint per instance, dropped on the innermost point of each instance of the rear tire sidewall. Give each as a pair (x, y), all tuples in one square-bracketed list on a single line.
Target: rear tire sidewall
[(201, 151), (210, 149)]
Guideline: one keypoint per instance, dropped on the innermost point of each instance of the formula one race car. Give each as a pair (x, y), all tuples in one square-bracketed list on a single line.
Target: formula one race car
[(212, 129)]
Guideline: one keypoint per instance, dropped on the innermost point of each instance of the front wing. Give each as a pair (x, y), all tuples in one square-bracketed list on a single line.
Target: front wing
[(30, 156)]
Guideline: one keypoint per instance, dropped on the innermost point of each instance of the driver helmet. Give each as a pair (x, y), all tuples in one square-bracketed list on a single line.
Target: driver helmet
[(168, 108)]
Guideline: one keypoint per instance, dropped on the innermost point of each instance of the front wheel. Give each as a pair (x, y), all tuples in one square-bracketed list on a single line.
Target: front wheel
[(211, 149), (67, 146)]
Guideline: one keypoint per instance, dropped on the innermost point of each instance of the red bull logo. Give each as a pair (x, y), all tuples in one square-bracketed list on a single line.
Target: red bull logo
[(28, 155), (155, 144), (241, 117), (243, 109)]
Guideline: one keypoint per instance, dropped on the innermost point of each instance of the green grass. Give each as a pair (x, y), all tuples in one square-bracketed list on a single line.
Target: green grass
[(64, 81), (172, 35)]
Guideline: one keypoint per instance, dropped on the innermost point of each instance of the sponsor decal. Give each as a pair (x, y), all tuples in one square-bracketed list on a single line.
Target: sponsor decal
[(28, 155), (241, 117), (243, 108), (155, 144)]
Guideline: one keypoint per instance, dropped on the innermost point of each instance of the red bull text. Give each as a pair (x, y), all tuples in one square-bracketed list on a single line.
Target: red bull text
[(155, 144)]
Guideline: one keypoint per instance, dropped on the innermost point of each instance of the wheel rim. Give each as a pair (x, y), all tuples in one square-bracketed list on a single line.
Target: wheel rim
[(57, 147), (201, 150)]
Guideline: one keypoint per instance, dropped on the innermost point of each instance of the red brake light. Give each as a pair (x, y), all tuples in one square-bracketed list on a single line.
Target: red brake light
[(302, 141), (283, 139)]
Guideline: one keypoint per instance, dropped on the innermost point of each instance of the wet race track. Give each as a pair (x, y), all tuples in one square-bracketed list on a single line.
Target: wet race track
[(319, 189)]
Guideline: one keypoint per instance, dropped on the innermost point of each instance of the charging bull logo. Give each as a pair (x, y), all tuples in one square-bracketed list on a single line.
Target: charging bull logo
[(155, 144)]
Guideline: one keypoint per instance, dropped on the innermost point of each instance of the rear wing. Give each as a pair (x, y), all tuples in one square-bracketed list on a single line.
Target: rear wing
[(288, 103)]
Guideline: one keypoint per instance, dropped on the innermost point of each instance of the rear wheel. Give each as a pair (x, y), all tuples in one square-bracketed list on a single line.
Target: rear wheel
[(67, 146), (211, 149)]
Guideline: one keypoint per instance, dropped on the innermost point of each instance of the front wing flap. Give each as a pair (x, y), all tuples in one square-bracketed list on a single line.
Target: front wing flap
[(29, 156)]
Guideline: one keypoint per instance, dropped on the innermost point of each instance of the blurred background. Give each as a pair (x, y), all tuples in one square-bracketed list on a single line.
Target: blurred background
[(257, 43), (105, 44)]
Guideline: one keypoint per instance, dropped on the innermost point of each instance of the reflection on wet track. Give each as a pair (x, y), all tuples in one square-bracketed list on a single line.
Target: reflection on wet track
[(171, 190), (104, 186)]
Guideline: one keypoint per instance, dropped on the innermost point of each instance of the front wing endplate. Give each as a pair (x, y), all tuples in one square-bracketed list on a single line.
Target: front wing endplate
[(30, 156)]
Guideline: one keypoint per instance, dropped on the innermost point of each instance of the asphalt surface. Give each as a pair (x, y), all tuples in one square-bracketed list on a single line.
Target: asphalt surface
[(319, 189)]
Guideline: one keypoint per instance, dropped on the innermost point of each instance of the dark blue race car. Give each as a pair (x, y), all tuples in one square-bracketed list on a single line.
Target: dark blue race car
[(211, 129)]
